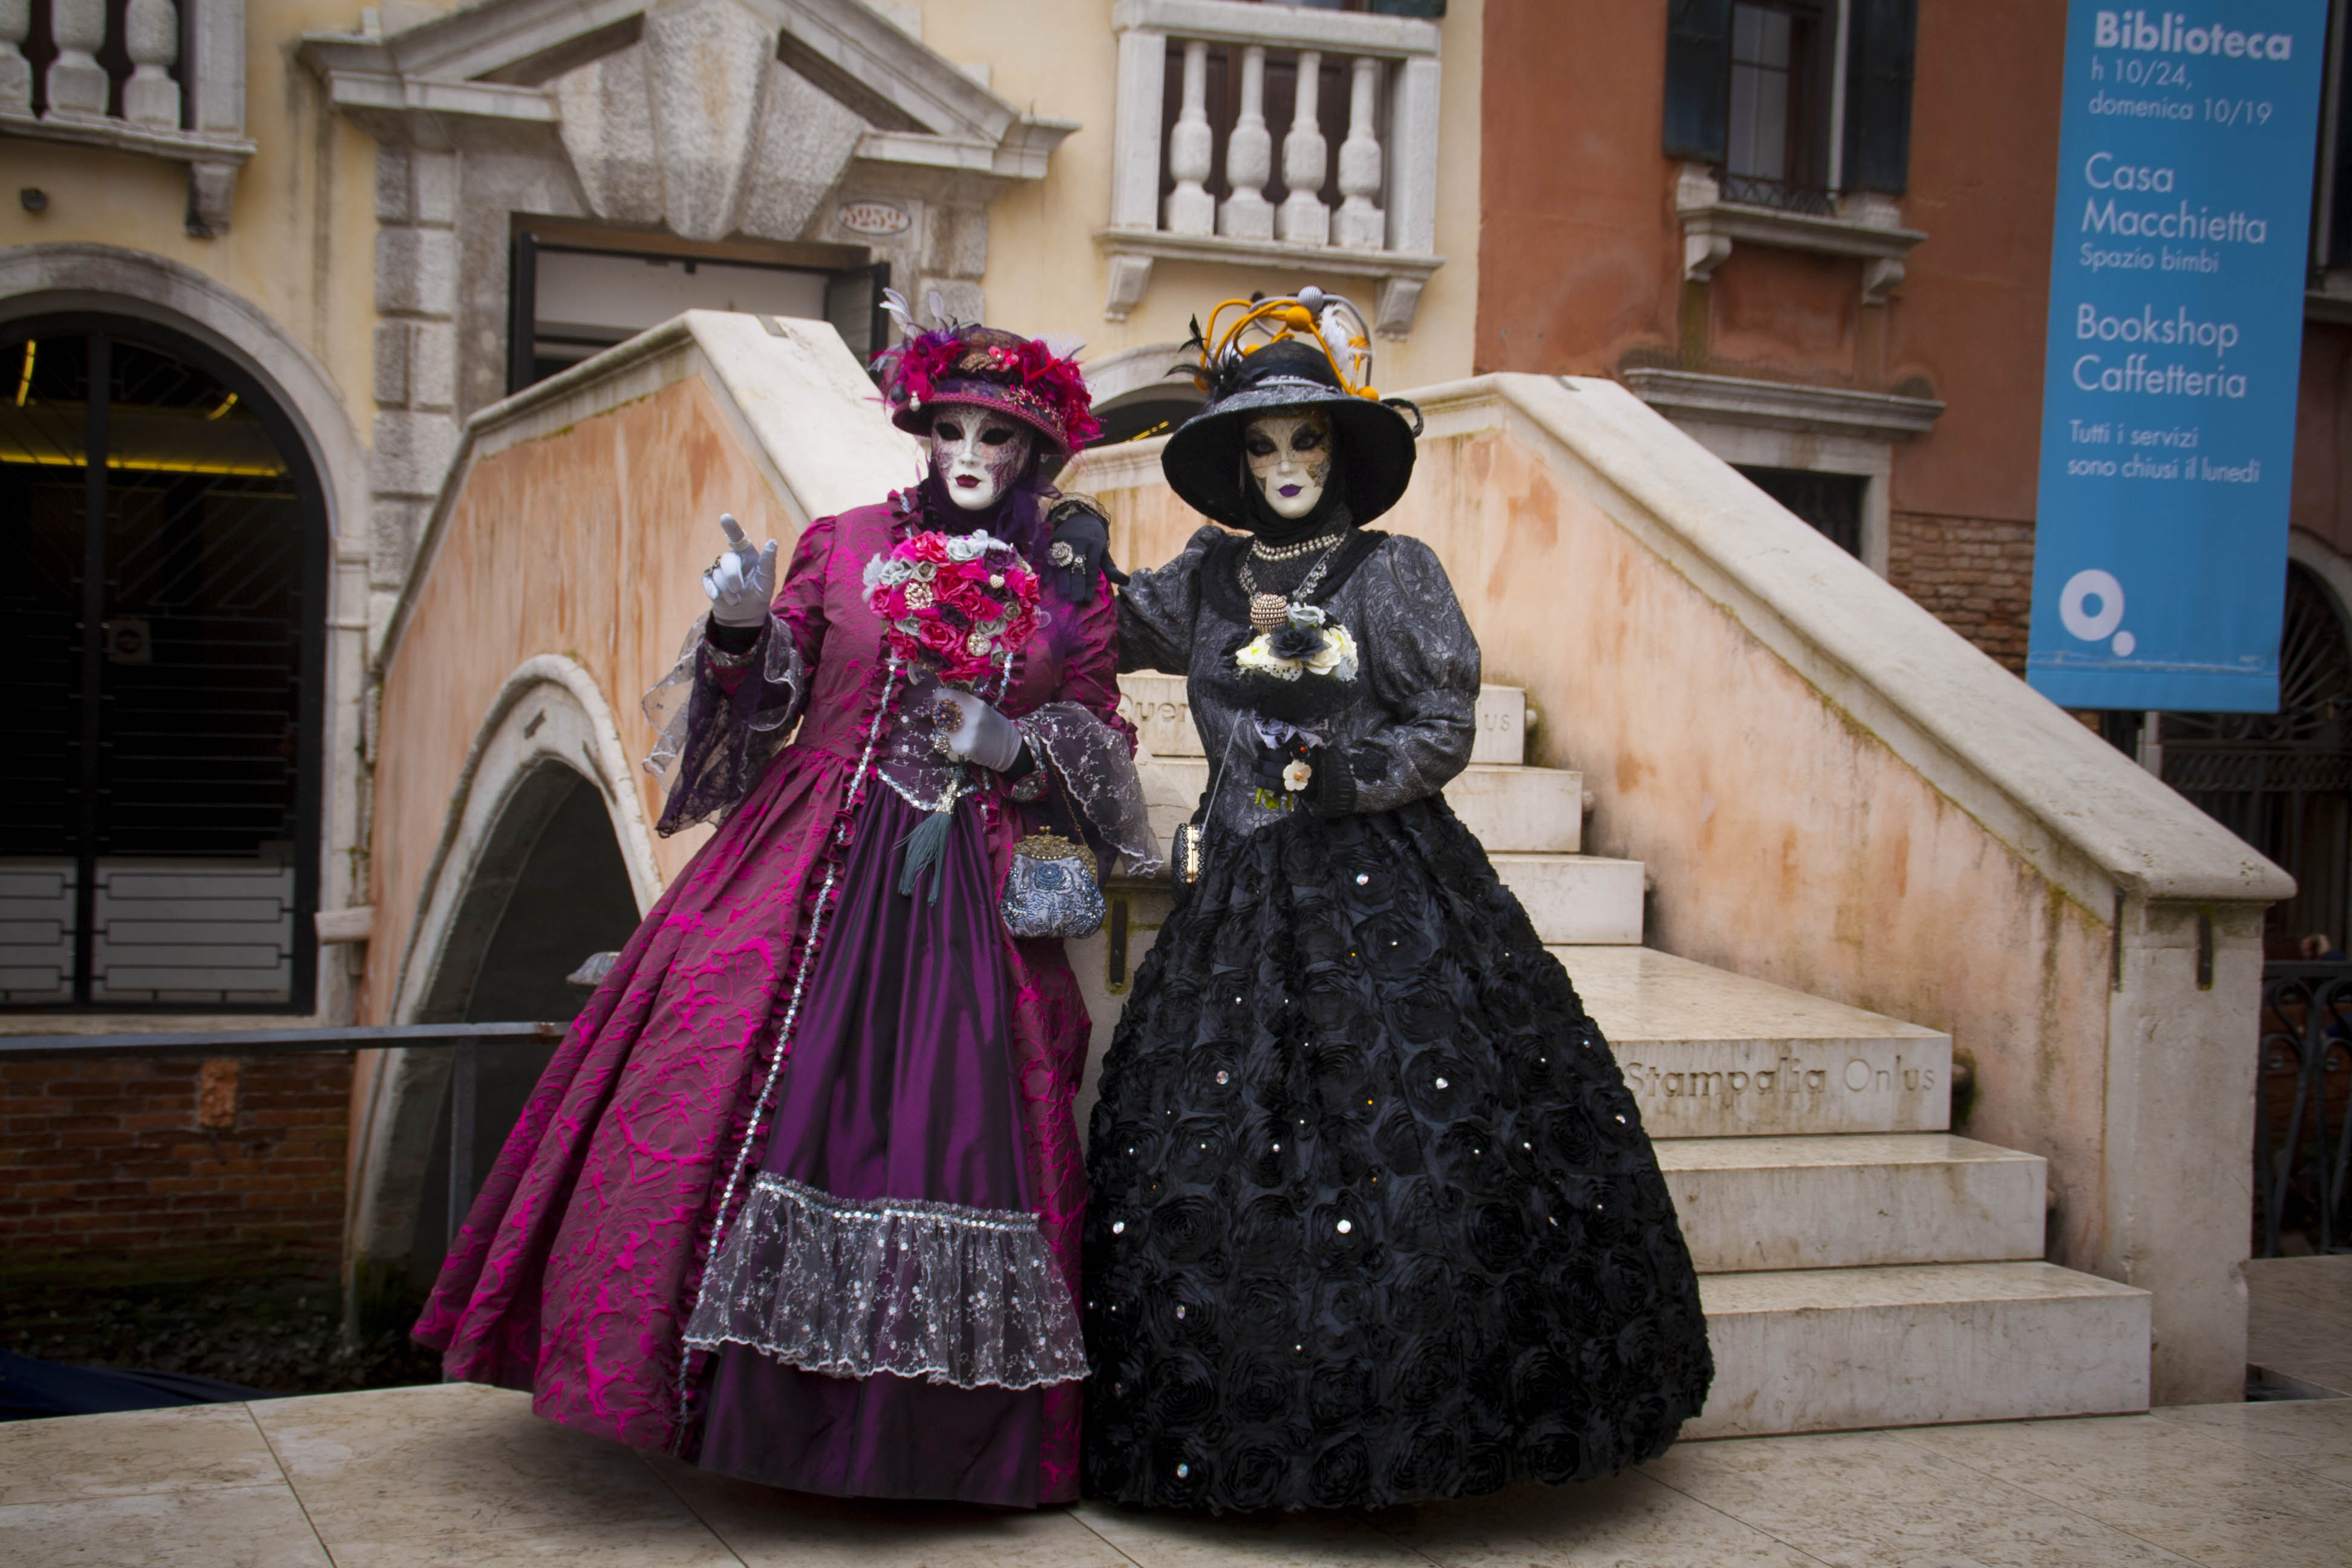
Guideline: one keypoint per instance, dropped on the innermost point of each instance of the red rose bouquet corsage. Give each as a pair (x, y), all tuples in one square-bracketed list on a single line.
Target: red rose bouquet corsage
[(961, 603)]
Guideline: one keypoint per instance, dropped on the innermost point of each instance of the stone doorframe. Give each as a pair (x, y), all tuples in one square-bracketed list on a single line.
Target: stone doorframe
[(809, 122), (549, 725)]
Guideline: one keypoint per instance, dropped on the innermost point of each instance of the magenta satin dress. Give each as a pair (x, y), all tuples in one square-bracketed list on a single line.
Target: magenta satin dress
[(580, 1265)]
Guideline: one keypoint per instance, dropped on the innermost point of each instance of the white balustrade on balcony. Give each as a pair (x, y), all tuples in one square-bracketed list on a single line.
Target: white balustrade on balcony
[(1249, 158), (190, 111), (152, 38), (77, 82), (1305, 219), (1163, 200), (16, 71)]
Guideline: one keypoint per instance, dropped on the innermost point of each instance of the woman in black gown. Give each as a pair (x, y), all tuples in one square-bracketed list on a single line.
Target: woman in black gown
[(1374, 1218)]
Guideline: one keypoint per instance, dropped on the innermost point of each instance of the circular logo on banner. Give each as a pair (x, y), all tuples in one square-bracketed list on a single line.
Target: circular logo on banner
[(873, 218), (2092, 606)]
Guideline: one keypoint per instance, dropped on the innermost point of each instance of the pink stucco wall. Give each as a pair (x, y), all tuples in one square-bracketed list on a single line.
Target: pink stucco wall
[(588, 542)]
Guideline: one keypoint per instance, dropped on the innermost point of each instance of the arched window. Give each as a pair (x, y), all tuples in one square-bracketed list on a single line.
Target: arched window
[(2282, 780), (159, 813)]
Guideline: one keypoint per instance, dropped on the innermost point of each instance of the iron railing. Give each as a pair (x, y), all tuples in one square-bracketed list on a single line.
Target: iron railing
[(1783, 196), (465, 1040), (2303, 1135)]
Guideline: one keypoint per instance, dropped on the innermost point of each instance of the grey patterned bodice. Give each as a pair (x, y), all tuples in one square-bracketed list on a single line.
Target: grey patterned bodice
[(1411, 719)]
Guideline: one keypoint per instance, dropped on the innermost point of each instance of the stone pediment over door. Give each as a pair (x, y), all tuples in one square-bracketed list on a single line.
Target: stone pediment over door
[(710, 117)]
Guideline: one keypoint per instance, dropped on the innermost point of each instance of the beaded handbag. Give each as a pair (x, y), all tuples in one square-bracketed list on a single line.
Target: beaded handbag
[(1052, 889)]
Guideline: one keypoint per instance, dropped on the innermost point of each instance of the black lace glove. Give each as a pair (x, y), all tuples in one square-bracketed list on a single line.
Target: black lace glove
[(734, 641), (1081, 551), (1330, 783)]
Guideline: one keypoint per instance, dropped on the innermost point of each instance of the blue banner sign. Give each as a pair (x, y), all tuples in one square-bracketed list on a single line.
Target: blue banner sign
[(2175, 330)]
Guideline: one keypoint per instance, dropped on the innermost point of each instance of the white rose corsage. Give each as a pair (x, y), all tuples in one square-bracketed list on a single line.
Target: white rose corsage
[(1311, 644)]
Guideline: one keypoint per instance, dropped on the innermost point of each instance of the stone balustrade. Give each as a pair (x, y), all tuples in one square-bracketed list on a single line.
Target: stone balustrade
[(191, 110), (1164, 202)]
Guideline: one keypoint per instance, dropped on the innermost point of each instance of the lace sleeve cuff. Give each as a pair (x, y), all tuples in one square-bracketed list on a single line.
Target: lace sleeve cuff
[(1095, 772)]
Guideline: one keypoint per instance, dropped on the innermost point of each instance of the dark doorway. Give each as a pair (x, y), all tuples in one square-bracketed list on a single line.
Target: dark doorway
[(571, 900), (2282, 780), (1830, 503), (159, 812)]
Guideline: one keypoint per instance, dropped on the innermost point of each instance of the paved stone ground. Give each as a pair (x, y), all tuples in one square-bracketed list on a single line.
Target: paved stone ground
[(443, 1476)]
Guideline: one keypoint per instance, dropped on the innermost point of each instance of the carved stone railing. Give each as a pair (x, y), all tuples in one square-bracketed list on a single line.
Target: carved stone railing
[(2302, 1136), (196, 116), (1384, 224)]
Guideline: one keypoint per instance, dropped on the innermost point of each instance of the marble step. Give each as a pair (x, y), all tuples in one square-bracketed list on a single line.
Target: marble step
[(1710, 1054), (1828, 1350), (1576, 898), (1506, 808), (1873, 1199), (1156, 705)]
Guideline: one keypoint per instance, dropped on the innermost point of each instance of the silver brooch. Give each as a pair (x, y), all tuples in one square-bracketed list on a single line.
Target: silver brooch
[(1062, 555)]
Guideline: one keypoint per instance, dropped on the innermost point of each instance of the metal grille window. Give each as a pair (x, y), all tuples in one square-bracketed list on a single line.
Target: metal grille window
[(2282, 780), (1830, 503), (158, 819)]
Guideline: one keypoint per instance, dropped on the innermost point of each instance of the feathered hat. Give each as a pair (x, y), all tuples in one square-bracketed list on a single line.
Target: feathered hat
[(1279, 353), (1029, 379)]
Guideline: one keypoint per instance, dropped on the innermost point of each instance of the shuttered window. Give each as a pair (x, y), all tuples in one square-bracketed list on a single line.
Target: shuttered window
[(1752, 89), (1879, 47)]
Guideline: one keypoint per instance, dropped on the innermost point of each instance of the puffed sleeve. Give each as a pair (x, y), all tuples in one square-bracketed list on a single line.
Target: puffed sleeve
[(1156, 609), (723, 715), (1421, 660)]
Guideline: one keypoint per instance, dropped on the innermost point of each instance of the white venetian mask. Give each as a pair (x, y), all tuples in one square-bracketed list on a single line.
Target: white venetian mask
[(1289, 460), (978, 455)]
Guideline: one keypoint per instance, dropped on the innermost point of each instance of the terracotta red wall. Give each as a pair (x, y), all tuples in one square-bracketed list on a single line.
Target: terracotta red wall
[(1580, 254), (125, 1168)]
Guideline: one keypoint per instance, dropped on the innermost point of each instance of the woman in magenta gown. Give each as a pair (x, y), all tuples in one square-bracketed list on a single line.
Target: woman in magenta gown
[(799, 1196)]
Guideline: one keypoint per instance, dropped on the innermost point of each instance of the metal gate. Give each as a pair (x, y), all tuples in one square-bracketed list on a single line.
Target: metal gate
[(159, 812)]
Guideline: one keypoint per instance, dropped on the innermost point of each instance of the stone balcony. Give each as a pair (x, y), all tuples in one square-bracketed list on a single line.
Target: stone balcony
[(194, 117), (1384, 226)]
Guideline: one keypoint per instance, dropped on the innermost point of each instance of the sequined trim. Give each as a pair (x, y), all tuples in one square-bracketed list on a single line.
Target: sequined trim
[(966, 1297)]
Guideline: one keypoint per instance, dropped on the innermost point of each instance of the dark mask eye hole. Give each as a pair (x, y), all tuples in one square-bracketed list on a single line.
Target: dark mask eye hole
[(947, 429), (1259, 445), (996, 434), (1305, 438)]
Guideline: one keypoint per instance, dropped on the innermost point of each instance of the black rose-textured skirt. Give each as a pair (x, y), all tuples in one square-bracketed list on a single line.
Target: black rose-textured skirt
[(1373, 1219)]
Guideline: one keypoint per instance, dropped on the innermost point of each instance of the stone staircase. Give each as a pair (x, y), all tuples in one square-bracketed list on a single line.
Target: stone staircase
[(1861, 1266)]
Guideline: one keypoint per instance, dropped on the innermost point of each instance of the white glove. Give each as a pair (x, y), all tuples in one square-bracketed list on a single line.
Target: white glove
[(742, 581), (983, 735)]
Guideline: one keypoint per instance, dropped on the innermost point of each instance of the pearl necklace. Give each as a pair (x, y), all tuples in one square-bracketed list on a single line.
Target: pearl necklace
[(1259, 552), (1271, 612)]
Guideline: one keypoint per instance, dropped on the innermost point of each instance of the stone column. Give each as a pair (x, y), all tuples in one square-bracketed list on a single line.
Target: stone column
[(77, 81), (1360, 225), (1189, 208), (1249, 158), (1303, 220)]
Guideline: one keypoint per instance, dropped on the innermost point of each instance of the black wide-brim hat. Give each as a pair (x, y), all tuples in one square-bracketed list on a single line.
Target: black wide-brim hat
[(1203, 458)]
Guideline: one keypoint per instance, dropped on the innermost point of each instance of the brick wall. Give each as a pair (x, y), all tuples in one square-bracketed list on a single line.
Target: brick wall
[(1974, 574), (172, 1169)]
